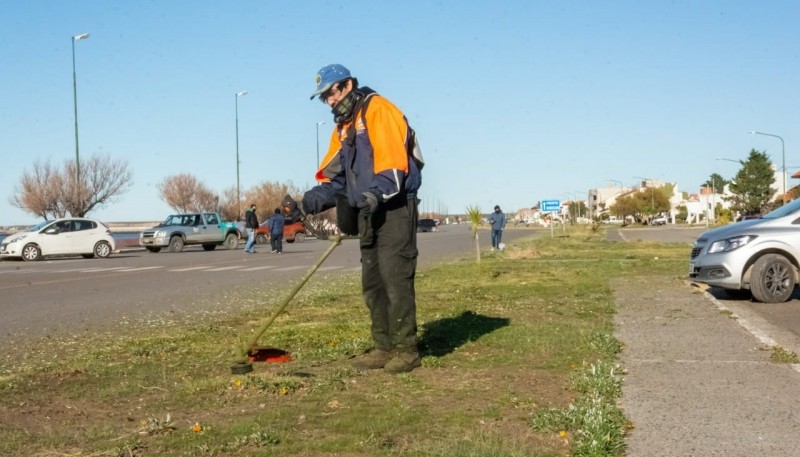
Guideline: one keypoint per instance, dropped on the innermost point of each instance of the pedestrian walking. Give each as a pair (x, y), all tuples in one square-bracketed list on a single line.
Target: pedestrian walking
[(498, 222), (276, 231), (251, 224), (369, 172)]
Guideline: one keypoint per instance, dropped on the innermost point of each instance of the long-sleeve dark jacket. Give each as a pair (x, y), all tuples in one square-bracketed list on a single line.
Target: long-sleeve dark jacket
[(366, 158), (276, 225), (251, 220)]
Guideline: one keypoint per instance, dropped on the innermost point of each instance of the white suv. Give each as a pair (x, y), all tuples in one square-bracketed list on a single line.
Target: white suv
[(762, 255)]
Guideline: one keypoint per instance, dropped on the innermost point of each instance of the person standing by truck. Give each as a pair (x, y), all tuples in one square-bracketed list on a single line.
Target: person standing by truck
[(251, 224), (368, 169), (275, 225)]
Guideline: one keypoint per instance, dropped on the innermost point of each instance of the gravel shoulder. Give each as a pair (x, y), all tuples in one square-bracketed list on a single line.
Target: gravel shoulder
[(698, 382)]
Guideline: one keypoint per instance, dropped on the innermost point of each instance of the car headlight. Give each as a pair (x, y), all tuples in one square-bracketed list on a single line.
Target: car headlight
[(161, 234), (15, 239), (730, 244)]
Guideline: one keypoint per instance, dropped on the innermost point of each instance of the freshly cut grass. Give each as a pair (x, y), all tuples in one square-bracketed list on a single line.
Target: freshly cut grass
[(503, 346)]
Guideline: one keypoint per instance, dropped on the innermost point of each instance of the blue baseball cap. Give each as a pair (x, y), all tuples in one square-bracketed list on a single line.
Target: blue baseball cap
[(329, 75)]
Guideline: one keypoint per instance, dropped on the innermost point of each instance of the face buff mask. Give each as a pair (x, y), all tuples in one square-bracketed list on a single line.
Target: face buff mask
[(343, 111)]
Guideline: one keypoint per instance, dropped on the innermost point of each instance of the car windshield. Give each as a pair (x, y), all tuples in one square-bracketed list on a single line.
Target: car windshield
[(176, 219), (40, 226), (785, 210)]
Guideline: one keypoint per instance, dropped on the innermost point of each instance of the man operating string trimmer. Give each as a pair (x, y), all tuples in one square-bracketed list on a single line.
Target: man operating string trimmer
[(369, 175)]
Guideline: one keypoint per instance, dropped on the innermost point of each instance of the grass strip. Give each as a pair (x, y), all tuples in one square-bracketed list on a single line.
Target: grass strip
[(518, 361)]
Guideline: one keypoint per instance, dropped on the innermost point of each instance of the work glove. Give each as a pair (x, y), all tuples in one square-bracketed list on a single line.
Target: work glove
[(292, 209), (367, 205)]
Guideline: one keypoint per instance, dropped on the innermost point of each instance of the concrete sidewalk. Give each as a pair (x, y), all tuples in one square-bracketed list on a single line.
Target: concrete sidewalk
[(698, 383)]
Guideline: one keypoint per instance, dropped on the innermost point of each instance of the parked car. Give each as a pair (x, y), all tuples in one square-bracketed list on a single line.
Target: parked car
[(426, 225), (71, 236), (179, 230), (659, 220), (761, 255), (292, 231)]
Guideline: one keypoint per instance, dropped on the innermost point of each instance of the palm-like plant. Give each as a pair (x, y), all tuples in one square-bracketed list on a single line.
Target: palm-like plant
[(474, 215)]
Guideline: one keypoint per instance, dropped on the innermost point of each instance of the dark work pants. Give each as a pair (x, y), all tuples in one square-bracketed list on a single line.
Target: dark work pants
[(276, 241), (388, 267)]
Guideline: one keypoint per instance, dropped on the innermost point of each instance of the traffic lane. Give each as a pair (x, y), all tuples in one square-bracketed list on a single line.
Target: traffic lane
[(74, 294), (68, 293)]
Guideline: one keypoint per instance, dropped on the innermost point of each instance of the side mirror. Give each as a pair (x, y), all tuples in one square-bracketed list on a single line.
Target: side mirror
[(51, 231)]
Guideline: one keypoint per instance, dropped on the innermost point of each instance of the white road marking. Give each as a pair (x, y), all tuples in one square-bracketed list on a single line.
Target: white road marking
[(127, 270), (235, 267), (258, 268), (202, 267), (94, 270), (291, 268)]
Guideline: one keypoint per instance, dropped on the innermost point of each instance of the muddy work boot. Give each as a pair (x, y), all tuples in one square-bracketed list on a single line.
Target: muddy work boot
[(403, 362), (372, 360)]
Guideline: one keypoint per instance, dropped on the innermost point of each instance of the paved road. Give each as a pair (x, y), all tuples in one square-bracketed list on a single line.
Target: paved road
[(68, 294)]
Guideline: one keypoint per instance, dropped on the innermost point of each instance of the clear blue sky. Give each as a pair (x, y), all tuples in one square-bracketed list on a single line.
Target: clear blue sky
[(513, 102)]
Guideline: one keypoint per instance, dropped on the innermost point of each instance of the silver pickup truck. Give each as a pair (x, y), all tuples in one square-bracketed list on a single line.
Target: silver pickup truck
[(179, 230)]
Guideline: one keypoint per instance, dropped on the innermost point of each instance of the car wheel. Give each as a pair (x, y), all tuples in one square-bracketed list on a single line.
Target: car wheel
[(209, 247), (153, 249), (772, 279), (299, 237), (261, 239), (102, 249), (176, 244), (231, 241), (31, 252)]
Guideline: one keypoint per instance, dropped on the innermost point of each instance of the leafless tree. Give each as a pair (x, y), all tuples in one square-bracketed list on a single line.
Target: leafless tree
[(184, 193), (48, 191), (102, 181), (38, 191)]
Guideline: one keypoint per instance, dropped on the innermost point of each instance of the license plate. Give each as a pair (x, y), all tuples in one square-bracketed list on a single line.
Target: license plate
[(691, 268)]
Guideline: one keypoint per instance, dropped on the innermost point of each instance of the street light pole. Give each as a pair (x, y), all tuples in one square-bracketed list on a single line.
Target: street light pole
[(75, 38), (578, 192), (238, 188), (783, 159), (318, 124)]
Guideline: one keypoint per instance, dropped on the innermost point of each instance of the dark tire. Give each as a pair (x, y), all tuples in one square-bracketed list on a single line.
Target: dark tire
[(772, 279), (153, 249), (31, 253), (209, 247), (231, 241), (262, 239), (175, 244), (300, 237), (102, 249)]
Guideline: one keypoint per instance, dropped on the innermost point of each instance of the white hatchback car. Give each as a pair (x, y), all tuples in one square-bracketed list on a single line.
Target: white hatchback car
[(71, 236)]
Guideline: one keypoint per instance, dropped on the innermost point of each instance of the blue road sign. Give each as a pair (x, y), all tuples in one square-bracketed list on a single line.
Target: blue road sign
[(551, 205)]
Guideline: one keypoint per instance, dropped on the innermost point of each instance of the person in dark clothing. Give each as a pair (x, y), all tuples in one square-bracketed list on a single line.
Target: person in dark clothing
[(276, 231), (498, 221), (251, 224), (368, 170)]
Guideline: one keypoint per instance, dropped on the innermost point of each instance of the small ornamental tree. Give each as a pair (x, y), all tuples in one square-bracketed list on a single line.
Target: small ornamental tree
[(474, 215)]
